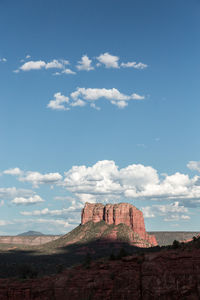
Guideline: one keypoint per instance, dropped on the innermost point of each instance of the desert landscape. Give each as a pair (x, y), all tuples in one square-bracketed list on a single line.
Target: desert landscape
[(109, 255), (99, 150)]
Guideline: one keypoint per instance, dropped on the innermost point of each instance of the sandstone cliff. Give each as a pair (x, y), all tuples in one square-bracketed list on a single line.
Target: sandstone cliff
[(122, 213)]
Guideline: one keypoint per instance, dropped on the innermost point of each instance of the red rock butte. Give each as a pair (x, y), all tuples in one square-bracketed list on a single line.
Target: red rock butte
[(116, 214)]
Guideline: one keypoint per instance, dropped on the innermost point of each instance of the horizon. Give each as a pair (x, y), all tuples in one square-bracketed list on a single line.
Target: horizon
[(99, 103)]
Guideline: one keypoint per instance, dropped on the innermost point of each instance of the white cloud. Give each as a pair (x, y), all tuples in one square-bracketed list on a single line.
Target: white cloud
[(164, 210), (58, 223), (33, 65), (134, 65), (93, 105), (85, 64), (55, 64), (28, 56), (59, 102), (148, 212), (194, 165), (176, 217), (4, 223), (40, 64), (110, 61), (27, 201), (36, 178), (65, 224), (64, 212), (3, 59), (13, 171), (68, 71), (104, 180), (113, 95), (12, 192), (78, 102), (90, 95)]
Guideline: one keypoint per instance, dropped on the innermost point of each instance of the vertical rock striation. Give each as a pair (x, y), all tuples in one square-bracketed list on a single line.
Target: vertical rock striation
[(124, 213)]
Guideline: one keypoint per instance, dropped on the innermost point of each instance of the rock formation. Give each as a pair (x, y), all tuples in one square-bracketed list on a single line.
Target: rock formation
[(122, 213)]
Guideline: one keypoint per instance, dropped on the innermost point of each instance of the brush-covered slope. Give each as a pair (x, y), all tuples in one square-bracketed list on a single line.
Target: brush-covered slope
[(101, 233)]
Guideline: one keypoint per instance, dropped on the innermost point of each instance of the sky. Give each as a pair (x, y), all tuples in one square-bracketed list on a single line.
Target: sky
[(99, 103)]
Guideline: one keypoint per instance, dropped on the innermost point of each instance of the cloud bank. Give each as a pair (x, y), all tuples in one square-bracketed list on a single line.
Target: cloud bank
[(84, 96), (105, 181), (106, 60)]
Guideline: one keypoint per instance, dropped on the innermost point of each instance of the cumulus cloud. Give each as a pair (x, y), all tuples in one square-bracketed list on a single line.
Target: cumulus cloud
[(27, 201), (64, 212), (134, 65), (55, 64), (59, 102), (110, 61), (78, 102), (40, 64), (194, 165), (82, 96), (12, 192), (68, 71), (176, 217), (33, 65), (35, 178), (63, 223), (170, 212), (104, 180), (85, 64), (13, 171)]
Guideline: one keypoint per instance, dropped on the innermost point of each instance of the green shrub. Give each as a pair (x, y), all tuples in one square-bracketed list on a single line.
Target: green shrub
[(112, 256), (27, 271), (122, 253), (176, 244), (87, 261)]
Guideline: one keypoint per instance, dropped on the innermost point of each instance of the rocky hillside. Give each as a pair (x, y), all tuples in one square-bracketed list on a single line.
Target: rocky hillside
[(168, 274)]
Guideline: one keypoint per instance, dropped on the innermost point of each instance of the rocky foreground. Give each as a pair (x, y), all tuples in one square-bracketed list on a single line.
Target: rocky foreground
[(108, 256), (172, 274)]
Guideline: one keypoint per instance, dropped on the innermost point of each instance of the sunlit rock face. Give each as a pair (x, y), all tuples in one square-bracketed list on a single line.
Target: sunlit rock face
[(122, 213)]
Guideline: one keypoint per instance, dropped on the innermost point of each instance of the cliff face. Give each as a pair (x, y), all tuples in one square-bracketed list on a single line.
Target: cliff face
[(124, 213)]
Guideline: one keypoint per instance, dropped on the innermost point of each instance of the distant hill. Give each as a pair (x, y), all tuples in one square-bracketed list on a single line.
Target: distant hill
[(31, 233), (165, 238)]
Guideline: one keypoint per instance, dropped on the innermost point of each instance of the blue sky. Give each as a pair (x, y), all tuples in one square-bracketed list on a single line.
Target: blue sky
[(99, 102)]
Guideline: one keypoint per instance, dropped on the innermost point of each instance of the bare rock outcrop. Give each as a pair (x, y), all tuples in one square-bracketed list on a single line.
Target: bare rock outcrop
[(122, 213)]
